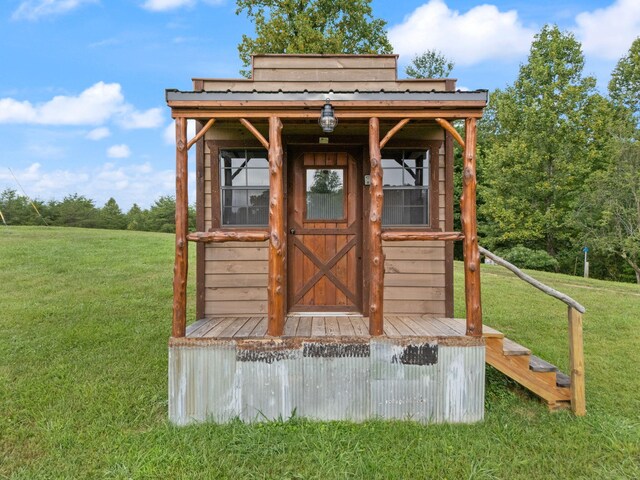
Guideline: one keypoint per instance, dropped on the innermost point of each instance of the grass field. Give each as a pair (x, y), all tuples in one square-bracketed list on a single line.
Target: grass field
[(84, 320)]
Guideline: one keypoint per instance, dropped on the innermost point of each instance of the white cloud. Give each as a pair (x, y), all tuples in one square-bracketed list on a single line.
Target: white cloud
[(169, 133), (151, 118), (119, 151), (98, 133), (94, 106), (36, 9), (608, 32), (164, 5), (480, 34), (128, 184)]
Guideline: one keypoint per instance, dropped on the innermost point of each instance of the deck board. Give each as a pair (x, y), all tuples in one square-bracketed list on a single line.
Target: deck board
[(317, 327), (304, 327), (345, 327), (248, 327), (261, 328), (359, 326), (395, 326), (291, 326)]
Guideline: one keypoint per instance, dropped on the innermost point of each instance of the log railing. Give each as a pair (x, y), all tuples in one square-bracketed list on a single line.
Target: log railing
[(576, 344), (408, 236), (221, 236)]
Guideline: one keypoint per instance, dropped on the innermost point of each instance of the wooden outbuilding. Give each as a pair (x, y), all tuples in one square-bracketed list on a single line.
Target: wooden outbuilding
[(324, 245)]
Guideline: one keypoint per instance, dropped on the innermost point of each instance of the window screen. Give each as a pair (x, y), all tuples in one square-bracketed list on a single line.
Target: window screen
[(244, 187), (406, 187)]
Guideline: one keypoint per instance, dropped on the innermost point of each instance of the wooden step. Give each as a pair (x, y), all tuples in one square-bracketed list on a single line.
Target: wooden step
[(539, 365), (459, 325), (563, 380), (513, 360), (509, 347)]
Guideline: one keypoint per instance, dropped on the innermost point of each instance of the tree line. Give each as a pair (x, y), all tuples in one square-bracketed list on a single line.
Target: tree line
[(79, 211), (558, 161)]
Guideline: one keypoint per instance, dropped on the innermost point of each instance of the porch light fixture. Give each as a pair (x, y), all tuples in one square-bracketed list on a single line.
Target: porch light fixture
[(327, 119)]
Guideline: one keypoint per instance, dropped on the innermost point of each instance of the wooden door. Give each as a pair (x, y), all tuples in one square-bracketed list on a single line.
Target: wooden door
[(324, 240)]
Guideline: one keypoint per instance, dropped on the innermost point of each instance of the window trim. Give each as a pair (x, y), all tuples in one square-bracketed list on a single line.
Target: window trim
[(245, 188), (433, 206), (214, 148)]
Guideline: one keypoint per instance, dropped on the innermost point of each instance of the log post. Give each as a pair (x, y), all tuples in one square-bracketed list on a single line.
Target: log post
[(180, 267), (277, 237), (376, 254), (470, 231), (576, 363)]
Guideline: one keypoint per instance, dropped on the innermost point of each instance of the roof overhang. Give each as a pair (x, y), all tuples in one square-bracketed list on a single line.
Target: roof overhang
[(352, 104)]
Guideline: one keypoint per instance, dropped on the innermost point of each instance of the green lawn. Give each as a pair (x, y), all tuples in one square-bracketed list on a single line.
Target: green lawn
[(84, 320)]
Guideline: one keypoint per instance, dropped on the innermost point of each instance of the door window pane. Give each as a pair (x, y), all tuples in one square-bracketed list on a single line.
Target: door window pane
[(325, 194)]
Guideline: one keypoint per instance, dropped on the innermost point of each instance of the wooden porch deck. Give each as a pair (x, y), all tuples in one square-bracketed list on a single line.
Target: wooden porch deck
[(336, 327)]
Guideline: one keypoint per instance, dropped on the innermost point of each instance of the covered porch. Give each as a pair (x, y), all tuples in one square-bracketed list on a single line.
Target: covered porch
[(458, 106)]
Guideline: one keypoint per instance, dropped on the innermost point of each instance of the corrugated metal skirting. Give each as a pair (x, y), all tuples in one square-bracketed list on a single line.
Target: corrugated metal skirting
[(382, 378)]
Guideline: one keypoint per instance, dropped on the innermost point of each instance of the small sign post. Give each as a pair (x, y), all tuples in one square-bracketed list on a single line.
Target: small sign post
[(586, 262)]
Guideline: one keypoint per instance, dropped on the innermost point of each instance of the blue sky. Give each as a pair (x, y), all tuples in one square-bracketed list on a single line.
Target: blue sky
[(82, 82)]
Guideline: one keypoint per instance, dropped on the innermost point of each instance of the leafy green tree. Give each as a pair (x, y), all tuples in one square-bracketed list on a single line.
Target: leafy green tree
[(542, 140), (610, 211), (624, 87), (17, 209), (162, 215), (326, 181), (136, 218), (75, 211), (311, 26), (430, 64), (111, 216), (20, 210)]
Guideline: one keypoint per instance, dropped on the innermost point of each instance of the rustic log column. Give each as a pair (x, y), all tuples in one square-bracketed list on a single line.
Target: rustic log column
[(182, 225), (277, 237), (470, 231), (376, 255)]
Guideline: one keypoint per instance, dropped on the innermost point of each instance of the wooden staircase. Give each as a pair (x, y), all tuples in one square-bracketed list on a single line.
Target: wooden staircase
[(533, 373)]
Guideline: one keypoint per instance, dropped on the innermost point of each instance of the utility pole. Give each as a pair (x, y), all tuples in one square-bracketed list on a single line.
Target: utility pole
[(586, 262)]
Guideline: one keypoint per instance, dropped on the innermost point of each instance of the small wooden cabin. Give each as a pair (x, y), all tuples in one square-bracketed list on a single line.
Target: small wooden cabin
[(324, 257)]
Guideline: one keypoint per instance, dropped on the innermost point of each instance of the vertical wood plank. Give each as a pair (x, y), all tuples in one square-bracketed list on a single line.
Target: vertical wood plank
[(330, 249), (448, 221), (470, 230), (576, 363), (277, 241), (376, 256), (180, 267), (200, 224)]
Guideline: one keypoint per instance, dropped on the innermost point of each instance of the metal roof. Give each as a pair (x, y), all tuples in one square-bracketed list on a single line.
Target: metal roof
[(356, 95)]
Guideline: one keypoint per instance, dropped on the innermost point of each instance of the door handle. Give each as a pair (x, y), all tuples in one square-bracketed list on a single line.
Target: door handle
[(292, 231)]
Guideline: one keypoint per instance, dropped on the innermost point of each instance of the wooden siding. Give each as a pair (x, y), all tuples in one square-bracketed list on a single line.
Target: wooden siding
[(332, 62), (233, 85), (322, 73), (236, 279)]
